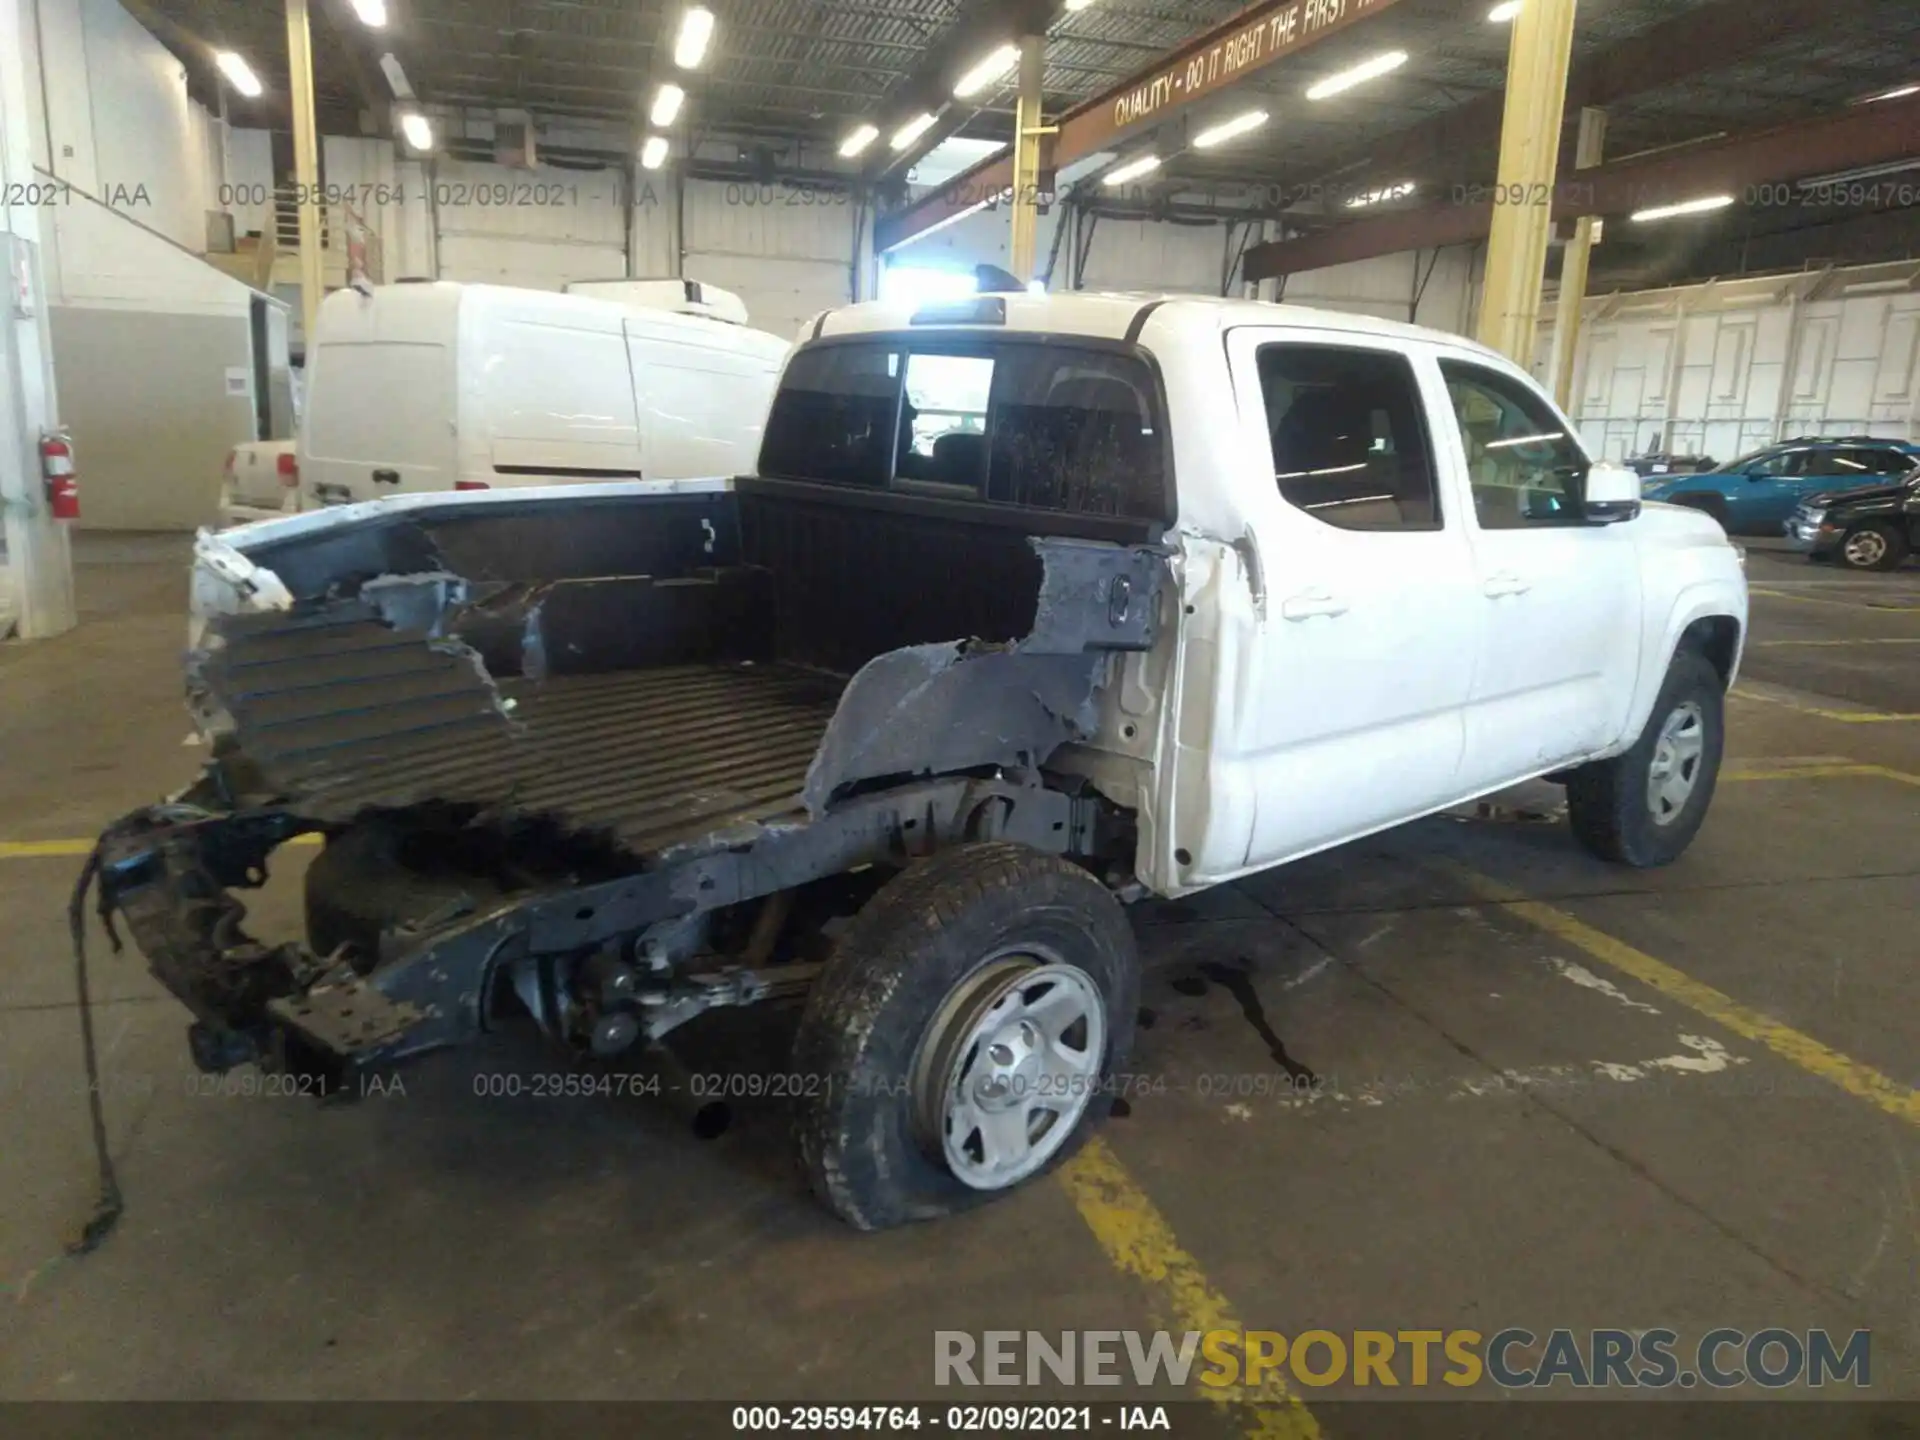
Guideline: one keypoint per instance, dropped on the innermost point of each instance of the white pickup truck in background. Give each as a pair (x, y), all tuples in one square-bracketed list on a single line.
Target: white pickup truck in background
[(1033, 606), (261, 479)]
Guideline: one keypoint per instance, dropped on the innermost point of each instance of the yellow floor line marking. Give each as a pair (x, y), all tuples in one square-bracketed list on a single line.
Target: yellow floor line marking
[(1809, 1054), (1845, 717), (80, 849), (1888, 640), (1140, 1243), (1822, 600), (1887, 772), (44, 849), (1804, 772)]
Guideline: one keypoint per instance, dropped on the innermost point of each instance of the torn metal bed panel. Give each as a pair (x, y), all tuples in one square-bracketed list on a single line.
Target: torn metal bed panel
[(942, 709)]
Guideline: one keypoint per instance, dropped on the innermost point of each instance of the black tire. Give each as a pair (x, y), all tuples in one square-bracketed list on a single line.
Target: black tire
[(1608, 801), (1888, 555), (862, 1131)]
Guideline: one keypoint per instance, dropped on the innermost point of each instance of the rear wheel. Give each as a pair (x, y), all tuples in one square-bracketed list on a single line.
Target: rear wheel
[(1644, 807), (963, 1035), (1873, 547)]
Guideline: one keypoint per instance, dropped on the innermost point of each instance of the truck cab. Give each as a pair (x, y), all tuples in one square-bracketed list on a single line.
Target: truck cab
[(1032, 607)]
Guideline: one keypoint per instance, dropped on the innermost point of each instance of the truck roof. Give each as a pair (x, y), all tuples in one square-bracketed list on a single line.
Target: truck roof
[(1116, 316)]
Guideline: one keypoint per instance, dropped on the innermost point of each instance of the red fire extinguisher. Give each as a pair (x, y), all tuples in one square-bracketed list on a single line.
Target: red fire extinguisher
[(63, 485)]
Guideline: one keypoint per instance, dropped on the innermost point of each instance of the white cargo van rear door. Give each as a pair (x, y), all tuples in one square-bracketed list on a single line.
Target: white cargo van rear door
[(555, 395), (704, 390), (379, 421)]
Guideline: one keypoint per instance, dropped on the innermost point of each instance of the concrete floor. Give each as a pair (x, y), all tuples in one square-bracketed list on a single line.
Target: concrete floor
[(1513, 1126)]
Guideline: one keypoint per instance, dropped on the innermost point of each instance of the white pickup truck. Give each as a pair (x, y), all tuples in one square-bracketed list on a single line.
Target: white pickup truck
[(1034, 607)]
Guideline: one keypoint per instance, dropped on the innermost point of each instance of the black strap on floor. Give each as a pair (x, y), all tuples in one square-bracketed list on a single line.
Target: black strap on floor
[(109, 1205)]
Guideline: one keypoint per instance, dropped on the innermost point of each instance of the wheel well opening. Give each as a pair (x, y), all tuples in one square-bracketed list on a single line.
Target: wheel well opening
[(1718, 638)]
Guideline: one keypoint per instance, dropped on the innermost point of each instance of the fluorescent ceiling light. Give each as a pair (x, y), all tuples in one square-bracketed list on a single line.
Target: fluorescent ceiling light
[(1132, 170), (912, 130), (987, 71), (1239, 125), (1902, 93), (696, 30), (1865, 172), (239, 74), (418, 130), (1078, 4), (1685, 207), (1502, 13), (950, 157), (653, 154), (861, 137), (396, 77), (371, 12), (666, 105), (1359, 75), (1385, 192)]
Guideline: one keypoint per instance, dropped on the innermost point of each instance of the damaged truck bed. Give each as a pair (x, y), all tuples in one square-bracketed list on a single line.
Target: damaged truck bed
[(604, 755)]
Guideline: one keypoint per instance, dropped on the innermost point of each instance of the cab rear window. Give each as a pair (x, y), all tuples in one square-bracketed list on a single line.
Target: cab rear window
[(1040, 425)]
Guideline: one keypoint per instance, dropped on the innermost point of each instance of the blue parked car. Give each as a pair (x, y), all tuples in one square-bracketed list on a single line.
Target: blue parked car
[(1756, 494)]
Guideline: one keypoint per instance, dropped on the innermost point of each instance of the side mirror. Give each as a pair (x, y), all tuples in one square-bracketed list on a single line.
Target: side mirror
[(1611, 495)]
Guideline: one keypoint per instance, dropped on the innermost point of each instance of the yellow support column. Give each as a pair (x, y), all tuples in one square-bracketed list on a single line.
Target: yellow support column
[(1529, 154), (1026, 159), (1573, 265), (306, 165)]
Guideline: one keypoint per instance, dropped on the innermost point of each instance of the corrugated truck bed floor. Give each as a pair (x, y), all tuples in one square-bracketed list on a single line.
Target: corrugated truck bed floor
[(651, 756)]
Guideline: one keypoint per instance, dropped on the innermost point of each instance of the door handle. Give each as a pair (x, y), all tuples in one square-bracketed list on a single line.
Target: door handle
[(1312, 604), (386, 477), (1498, 587)]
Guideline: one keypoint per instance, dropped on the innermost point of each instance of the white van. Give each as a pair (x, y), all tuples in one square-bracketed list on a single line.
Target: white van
[(434, 385)]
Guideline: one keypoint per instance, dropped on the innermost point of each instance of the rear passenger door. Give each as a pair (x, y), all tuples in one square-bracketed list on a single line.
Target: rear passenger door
[(1364, 654), (1558, 599)]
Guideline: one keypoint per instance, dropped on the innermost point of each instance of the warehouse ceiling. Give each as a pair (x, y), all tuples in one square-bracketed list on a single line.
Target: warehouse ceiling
[(790, 77)]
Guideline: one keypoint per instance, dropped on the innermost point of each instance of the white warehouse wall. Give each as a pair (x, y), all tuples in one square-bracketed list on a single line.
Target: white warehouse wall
[(1446, 283), (538, 228), (248, 179), (1723, 368), (786, 250), (110, 115)]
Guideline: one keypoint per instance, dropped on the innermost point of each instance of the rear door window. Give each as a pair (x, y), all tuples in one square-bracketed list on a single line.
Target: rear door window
[(1349, 437), (1871, 461), (1040, 425)]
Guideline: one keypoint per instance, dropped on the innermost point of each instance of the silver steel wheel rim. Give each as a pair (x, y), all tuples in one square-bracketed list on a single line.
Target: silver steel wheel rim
[(1677, 757), (1026, 1042), (1868, 547)]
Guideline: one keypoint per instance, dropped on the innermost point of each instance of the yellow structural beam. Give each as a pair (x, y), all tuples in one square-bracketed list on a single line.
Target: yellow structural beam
[(306, 165), (1028, 131), (1537, 61)]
